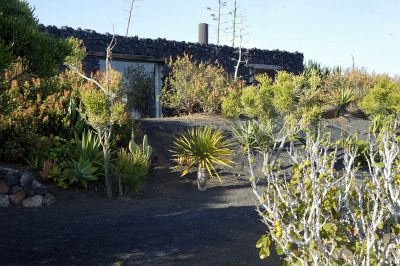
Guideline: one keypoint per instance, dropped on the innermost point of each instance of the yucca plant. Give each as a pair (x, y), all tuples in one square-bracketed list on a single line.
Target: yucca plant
[(341, 99), (204, 149)]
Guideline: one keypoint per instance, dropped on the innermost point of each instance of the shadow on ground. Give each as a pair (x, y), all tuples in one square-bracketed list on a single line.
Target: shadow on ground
[(171, 223)]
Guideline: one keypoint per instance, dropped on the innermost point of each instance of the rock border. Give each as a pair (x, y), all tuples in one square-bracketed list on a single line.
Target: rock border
[(21, 188)]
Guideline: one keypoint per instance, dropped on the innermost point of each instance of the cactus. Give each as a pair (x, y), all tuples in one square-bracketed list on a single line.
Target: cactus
[(132, 144), (146, 148)]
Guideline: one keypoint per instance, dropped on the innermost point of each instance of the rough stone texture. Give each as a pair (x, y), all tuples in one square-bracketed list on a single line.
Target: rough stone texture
[(4, 201), (162, 49), (3, 172), (3, 187), (26, 182), (12, 178), (48, 199), (17, 198), (35, 201), (38, 188)]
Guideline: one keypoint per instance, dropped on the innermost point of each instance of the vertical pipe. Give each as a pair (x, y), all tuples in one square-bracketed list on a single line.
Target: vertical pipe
[(203, 33)]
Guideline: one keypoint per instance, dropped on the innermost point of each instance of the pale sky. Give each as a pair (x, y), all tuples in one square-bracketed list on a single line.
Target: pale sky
[(329, 32)]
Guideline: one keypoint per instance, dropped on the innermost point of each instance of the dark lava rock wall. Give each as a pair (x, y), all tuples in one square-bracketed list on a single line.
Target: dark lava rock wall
[(162, 49)]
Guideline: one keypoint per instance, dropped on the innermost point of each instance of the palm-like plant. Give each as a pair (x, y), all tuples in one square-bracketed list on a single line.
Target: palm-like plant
[(204, 149)]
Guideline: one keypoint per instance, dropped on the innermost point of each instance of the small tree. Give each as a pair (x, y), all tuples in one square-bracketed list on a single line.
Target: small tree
[(102, 107)]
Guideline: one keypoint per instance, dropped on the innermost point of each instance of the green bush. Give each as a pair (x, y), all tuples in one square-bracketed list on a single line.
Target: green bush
[(132, 168), (194, 87), (383, 99), (288, 97)]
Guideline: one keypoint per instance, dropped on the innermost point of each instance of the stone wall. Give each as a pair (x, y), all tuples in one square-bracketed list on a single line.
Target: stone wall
[(162, 49)]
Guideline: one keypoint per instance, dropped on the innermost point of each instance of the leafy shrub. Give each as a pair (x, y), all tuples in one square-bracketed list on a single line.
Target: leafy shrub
[(357, 80), (231, 104), (20, 38), (194, 87), (382, 99), (288, 97), (41, 107)]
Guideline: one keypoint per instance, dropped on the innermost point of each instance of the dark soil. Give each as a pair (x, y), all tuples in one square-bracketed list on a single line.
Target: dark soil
[(170, 223)]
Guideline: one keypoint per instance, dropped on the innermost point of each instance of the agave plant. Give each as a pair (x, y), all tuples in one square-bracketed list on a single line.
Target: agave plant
[(341, 99), (83, 172), (204, 149)]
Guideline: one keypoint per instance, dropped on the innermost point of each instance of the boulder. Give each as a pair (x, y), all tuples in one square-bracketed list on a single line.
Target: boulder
[(4, 201), (12, 178), (48, 199), (26, 182), (38, 188), (3, 172), (4, 187), (17, 197), (35, 201)]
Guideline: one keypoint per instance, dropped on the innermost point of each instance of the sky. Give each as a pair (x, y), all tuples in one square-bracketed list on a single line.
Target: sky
[(329, 32)]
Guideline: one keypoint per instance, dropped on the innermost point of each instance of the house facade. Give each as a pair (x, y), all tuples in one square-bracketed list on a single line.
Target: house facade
[(150, 56)]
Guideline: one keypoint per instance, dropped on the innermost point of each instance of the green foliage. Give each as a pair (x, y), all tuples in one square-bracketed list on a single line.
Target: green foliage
[(74, 161), (202, 147), (21, 38), (357, 80), (145, 148), (194, 87), (383, 99), (83, 171), (341, 99), (232, 105), (289, 97), (100, 105), (38, 107), (132, 168)]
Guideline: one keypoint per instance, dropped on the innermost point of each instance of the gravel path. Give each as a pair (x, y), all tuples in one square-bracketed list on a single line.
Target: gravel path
[(171, 223)]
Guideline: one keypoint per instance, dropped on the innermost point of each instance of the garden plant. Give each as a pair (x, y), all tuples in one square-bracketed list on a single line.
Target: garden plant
[(203, 149)]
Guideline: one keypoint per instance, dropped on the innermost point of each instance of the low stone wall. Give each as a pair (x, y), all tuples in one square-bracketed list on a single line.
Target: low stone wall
[(22, 189), (160, 49)]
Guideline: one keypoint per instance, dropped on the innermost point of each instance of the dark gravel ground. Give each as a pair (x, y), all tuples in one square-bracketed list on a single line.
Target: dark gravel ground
[(170, 223)]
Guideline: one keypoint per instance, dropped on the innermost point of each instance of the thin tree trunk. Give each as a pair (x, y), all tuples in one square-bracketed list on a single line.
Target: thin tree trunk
[(107, 179), (120, 191)]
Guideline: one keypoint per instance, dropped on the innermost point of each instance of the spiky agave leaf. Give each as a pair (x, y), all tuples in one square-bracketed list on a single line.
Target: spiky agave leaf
[(203, 147)]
